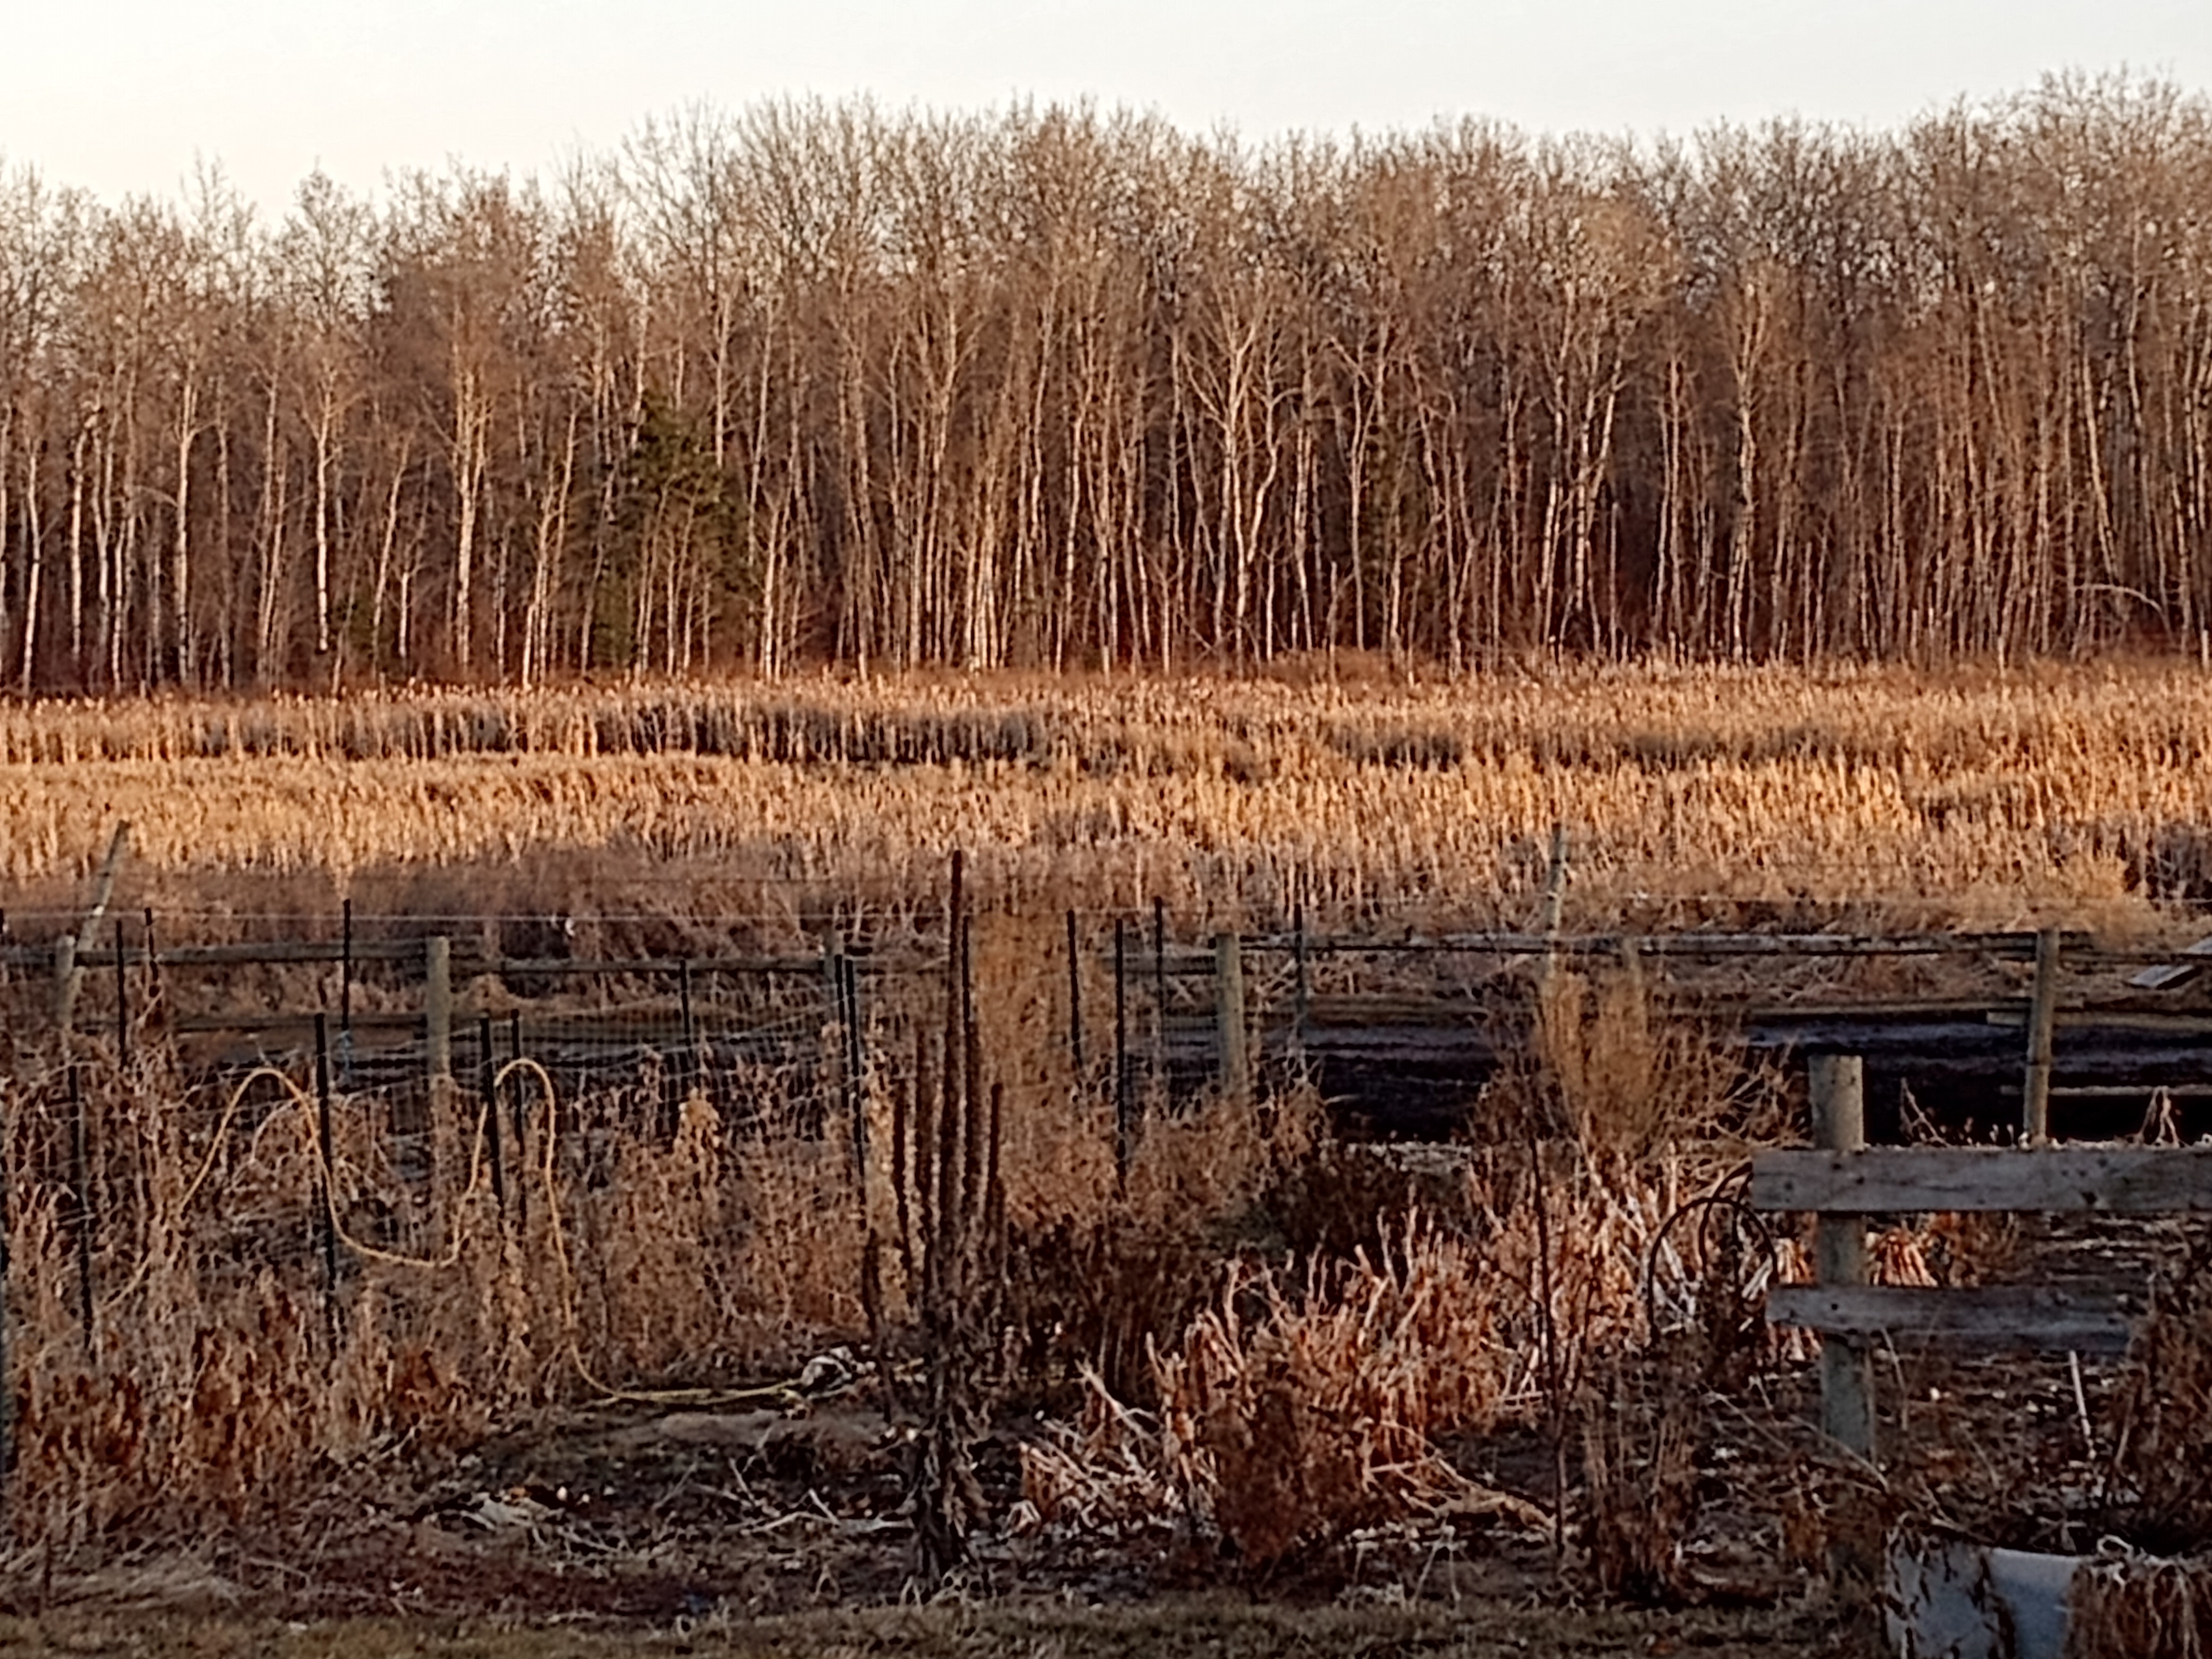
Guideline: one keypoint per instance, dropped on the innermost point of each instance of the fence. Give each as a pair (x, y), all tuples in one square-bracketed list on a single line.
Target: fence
[(386, 1145), (405, 1002)]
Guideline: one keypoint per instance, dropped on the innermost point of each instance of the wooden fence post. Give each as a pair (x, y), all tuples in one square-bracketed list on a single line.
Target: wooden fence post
[(1838, 1099), (438, 1013), (1840, 1257), (1074, 1000), (2042, 1021), (1229, 1017), (66, 972), (65, 984)]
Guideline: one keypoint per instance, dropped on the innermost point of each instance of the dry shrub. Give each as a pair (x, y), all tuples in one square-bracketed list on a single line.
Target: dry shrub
[(1111, 1273), (2140, 1609), (1640, 1461), (1298, 1408), (2162, 1455), (1105, 1473), (1294, 1408), (1606, 1066), (1317, 1412), (223, 1377)]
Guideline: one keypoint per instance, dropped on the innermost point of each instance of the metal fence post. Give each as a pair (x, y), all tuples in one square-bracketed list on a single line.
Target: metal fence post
[(80, 1177), (1124, 1129), (326, 1183)]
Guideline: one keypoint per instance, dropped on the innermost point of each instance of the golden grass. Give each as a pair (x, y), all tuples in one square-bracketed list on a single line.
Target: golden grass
[(214, 1388), (2070, 793)]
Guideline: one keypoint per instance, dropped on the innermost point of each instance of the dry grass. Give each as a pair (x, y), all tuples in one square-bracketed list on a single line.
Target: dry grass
[(2074, 794), (1306, 1401), (622, 1245), (1283, 1397)]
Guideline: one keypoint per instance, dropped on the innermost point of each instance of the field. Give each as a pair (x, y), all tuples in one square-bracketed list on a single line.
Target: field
[(1985, 797), (692, 1348)]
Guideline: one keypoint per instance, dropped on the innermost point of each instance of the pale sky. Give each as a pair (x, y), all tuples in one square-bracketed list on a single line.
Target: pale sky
[(122, 95)]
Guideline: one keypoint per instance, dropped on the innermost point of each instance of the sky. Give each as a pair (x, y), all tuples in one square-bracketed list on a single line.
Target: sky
[(125, 96)]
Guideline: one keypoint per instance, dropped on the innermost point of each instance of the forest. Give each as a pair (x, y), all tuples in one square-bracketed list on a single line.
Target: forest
[(813, 384)]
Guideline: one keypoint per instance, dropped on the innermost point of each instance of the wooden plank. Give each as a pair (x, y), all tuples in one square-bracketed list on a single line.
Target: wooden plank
[(1927, 1008), (1693, 943), (2167, 974), (470, 965), (2027, 1318), (2115, 1019), (2111, 1179)]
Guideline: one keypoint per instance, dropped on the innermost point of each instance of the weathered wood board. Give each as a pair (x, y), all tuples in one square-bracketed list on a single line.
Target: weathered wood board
[(1989, 1318), (2067, 1180)]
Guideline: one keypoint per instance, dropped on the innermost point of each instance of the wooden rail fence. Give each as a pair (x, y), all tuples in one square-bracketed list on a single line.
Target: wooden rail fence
[(1842, 1182)]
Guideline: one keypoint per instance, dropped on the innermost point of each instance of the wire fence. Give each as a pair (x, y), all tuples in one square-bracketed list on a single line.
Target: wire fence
[(436, 1170)]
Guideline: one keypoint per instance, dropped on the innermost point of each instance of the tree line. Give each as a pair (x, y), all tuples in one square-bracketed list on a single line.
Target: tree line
[(814, 383)]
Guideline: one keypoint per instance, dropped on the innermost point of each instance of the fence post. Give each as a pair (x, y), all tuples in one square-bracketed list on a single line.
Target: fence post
[(345, 991), (1123, 1128), (327, 1182), (438, 1012), (65, 968), (1160, 992), (2042, 1020), (1839, 1100), (80, 1177), (7, 1391), (683, 1013), (1840, 1257), (65, 984), (833, 981), (1304, 987), (1555, 897), (856, 1065), (122, 1004), (487, 1086), (1074, 1000), (1228, 1029)]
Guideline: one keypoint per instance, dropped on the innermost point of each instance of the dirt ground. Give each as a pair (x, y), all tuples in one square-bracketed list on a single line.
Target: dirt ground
[(753, 1526), (741, 1531), (1219, 1625)]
